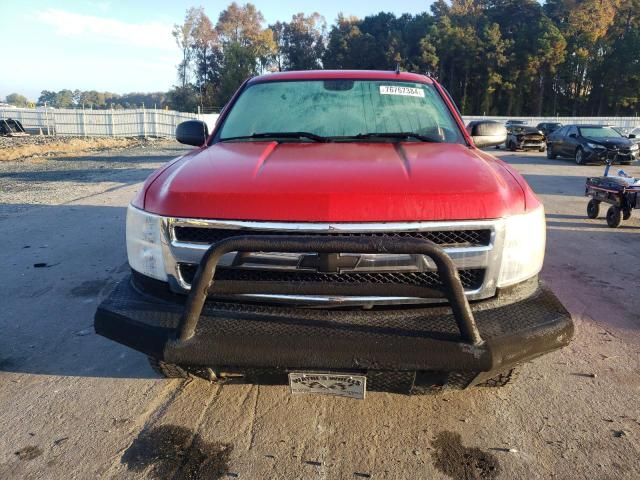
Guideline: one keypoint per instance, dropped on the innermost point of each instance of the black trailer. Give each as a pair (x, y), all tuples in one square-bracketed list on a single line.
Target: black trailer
[(622, 194)]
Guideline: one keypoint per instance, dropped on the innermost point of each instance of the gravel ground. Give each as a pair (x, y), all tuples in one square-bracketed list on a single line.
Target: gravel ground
[(57, 180), (9, 142), (23, 148), (74, 405)]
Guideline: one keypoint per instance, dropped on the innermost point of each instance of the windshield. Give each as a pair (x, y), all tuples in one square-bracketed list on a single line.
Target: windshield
[(341, 109), (599, 132)]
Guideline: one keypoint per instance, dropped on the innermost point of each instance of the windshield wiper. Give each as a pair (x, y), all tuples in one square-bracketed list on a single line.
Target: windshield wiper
[(310, 136), (398, 135)]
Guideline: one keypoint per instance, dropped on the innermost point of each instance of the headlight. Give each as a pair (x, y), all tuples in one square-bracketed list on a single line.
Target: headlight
[(634, 147), (524, 243), (144, 247), (594, 145)]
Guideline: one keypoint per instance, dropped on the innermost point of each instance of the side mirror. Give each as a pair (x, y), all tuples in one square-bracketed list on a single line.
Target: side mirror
[(631, 135), (486, 133), (573, 135), (192, 132)]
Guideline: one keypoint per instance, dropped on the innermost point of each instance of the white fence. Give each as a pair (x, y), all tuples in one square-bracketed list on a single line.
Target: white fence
[(162, 123), (99, 123), (624, 122)]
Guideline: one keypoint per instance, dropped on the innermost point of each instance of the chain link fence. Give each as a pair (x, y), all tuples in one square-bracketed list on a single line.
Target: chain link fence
[(140, 122)]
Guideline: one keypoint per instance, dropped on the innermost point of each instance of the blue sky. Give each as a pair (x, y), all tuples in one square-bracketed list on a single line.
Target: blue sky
[(122, 46)]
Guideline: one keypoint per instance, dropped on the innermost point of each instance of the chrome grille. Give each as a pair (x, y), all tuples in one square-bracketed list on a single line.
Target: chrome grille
[(475, 247), (471, 279), (458, 238), (534, 137)]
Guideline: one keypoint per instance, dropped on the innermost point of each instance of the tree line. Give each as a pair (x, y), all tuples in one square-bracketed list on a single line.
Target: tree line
[(101, 100), (495, 57), (92, 99)]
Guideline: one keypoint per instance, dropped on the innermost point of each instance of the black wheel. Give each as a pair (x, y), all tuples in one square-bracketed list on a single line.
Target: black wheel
[(167, 370), (542, 149), (614, 217), (512, 146), (626, 214), (500, 380), (550, 154), (579, 156), (593, 208)]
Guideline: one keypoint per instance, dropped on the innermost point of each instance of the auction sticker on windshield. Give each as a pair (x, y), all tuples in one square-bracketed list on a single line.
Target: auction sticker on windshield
[(403, 91), (352, 386)]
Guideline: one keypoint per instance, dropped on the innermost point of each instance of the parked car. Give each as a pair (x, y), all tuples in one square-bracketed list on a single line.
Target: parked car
[(315, 234), (509, 124), (525, 138), (548, 127), (591, 143)]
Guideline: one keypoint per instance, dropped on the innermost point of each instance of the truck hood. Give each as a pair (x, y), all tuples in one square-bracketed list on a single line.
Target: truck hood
[(337, 182)]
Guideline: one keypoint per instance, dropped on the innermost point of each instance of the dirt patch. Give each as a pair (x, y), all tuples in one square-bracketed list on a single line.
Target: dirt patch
[(21, 148), (175, 452), (463, 463), (28, 453)]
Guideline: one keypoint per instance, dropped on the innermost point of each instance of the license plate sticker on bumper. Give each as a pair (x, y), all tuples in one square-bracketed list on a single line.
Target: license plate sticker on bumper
[(351, 386)]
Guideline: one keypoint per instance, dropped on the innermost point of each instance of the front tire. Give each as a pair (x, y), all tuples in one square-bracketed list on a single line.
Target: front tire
[(542, 149), (614, 217), (550, 154), (593, 209), (501, 380), (512, 146), (579, 156), (626, 214), (167, 370)]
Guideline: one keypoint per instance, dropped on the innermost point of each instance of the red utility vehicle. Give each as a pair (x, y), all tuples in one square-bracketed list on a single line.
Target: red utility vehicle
[(343, 231)]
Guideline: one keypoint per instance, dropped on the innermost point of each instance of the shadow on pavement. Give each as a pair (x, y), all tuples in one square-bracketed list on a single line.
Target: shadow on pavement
[(570, 185), (124, 175), (59, 262)]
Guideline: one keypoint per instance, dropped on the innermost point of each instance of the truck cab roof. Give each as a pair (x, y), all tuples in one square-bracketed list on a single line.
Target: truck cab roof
[(343, 75)]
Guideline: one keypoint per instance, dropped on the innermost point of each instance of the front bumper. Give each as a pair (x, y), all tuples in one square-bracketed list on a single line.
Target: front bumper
[(531, 145), (468, 342), (604, 155), (241, 338)]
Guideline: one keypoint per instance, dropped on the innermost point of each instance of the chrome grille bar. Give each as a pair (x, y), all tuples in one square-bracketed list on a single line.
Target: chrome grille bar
[(487, 257)]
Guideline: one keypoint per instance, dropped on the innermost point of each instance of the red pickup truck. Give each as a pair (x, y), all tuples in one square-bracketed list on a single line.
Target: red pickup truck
[(340, 231)]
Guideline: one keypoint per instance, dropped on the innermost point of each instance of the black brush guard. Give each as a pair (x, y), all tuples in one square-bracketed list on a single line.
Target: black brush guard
[(419, 344), (204, 285)]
